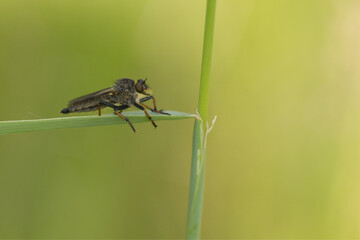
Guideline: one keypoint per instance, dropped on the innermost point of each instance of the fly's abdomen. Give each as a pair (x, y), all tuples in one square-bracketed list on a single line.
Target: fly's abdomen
[(85, 106), (91, 101)]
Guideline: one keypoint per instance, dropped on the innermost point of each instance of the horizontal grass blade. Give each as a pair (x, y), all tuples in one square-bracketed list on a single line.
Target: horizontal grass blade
[(20, 126)]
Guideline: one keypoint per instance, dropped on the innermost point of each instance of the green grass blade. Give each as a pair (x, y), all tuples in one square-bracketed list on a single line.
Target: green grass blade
[(196, 184), (20, 126), (200, 131), (206, 60)]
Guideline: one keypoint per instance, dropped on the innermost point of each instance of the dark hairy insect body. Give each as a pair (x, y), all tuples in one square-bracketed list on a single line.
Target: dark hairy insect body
[(125, 92)]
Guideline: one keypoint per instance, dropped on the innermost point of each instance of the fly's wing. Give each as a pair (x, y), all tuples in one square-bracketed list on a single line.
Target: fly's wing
[(95, 96), (90, 102)]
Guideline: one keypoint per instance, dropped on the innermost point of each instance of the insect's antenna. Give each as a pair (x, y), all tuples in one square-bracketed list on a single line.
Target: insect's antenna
[(145, 79)]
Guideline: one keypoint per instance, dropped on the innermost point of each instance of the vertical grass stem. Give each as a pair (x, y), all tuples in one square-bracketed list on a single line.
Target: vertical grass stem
[(199, 135)]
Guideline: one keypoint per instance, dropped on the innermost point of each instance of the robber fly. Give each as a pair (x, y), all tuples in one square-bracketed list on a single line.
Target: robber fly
[(125, 92)]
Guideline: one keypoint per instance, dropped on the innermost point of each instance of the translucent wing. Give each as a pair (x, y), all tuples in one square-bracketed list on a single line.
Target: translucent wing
[(95, 96)]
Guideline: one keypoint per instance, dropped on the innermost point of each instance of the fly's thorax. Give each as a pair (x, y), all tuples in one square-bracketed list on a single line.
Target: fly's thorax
[(130, 92), (124, 83), (126, 90)]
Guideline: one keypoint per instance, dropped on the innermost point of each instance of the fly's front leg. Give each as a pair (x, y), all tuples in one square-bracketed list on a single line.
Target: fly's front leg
[(148, 98), (154, 103), (146, 113)]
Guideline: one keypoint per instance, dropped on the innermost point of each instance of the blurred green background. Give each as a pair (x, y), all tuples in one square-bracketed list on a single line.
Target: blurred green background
[(284, 156)]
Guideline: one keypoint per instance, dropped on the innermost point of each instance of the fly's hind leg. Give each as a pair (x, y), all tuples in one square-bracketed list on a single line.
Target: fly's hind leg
[(118, 110), (154, 103), (99, 109)]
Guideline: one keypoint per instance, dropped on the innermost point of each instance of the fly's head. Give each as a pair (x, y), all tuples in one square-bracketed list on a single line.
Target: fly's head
[(142, 88)]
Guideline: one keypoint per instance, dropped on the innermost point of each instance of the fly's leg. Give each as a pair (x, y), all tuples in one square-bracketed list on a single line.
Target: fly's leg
[(118, 110), (122, 107), (146, 113), (99, 108), (126, 119), (154, 103), (153, 110)]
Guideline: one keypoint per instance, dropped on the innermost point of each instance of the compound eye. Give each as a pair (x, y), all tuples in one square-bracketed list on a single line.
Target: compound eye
[(139, 86)]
